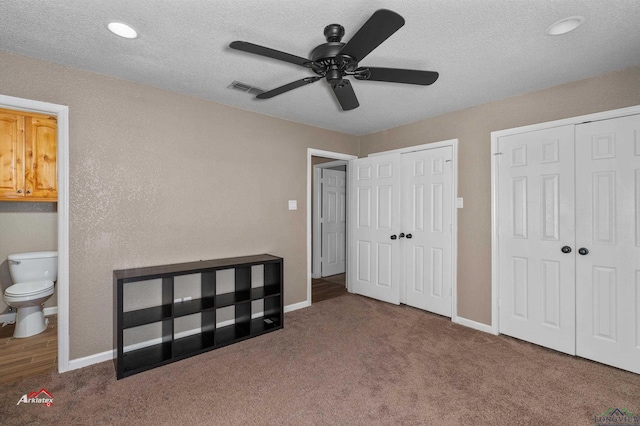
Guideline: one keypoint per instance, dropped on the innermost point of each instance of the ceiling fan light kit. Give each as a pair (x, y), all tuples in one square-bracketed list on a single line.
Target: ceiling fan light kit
[(334, 60)]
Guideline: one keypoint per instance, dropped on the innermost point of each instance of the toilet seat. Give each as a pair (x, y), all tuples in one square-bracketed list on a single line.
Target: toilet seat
[(29, 288)]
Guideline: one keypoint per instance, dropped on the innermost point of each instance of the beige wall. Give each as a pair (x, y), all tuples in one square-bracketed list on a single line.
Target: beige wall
[(473, 128), (157, 177)]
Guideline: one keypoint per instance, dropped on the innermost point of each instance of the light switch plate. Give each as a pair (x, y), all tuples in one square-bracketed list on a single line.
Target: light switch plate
[(459, 203), (293, 204)]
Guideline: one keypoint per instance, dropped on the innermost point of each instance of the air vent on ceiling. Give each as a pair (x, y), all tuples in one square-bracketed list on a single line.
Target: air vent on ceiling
[(247, 88)]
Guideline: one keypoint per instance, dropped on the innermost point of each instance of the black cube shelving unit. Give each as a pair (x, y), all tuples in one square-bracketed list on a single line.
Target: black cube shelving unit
[(211, 335)]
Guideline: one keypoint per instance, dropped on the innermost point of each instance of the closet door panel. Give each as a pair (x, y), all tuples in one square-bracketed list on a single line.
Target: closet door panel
[(607, 228), (535, 223), (374, 214), (427, 201)]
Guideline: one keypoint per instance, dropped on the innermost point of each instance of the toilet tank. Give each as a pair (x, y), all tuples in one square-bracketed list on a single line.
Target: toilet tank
[(33, 266)]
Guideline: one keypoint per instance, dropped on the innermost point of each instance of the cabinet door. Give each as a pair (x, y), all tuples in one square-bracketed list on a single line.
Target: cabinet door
[(41, 150), (11, 155)]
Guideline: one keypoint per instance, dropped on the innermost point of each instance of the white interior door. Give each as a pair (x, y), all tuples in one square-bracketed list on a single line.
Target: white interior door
[(535, 222), (608, 227), (333, 222), (427, 204), (374, 207)]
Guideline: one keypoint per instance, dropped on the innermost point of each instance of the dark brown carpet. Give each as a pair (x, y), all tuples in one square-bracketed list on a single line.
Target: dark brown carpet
[(347, 361)]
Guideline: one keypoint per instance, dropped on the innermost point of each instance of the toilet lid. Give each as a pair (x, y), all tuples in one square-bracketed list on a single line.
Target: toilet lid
[(32, 255), (28, 288)]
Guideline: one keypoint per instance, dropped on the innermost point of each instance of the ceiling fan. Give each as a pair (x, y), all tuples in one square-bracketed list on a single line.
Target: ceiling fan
[(334, 60)]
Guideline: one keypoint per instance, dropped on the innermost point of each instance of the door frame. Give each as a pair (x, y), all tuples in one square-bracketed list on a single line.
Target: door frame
[(453, 143), (316, 267), (312, 152), (495, 202), (62, 285)]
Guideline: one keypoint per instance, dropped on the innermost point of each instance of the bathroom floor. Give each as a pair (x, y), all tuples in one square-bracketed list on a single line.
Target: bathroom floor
[(328, 288), (28, 357)]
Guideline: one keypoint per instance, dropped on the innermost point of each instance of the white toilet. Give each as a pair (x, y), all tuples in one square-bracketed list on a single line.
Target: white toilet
[(33, 275)]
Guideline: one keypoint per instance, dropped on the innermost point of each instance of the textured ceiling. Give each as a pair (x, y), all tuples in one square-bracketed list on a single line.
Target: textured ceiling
[(484, 50)]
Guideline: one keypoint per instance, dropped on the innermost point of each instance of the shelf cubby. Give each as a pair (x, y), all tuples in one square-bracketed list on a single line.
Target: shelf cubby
[(146, 316), (139, 360), (194, 344), (230, 299), (193, 306), (218, 314)]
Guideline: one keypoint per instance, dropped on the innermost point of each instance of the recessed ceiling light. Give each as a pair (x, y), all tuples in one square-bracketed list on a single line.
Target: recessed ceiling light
[(121, 29), (565, 25)]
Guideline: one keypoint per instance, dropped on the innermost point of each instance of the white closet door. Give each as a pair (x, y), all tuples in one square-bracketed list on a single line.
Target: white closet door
[(608, 226), (427, 200), (373, 219), (333, 222), (535, 221)]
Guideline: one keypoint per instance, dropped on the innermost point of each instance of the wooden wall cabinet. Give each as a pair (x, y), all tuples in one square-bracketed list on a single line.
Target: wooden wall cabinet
[(28, 149), (166, 345)]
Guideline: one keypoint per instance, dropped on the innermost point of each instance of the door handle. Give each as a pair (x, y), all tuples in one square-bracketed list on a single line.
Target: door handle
[(401, 235), (394, 237), (566, 249), (409, 236), (583, 251)]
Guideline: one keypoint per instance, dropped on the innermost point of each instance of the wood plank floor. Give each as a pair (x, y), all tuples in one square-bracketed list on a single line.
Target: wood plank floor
[(328, 288), (32, 356)]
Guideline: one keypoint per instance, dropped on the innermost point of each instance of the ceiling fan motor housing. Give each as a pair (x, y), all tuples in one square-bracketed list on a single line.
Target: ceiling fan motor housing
[(334, 32), (327, 61), (326, 58)]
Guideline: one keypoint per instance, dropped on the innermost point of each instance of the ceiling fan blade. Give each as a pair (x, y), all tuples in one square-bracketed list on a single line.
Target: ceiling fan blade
[(397, 75), (282, 89), (270, 53), (380, 26), (345, 94)]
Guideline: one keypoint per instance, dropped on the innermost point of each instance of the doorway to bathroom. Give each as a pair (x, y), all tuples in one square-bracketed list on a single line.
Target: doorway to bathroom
[(326, 224), (38, 226)]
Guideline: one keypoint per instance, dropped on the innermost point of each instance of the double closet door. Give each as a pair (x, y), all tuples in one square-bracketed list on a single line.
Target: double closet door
[(568, 217), (400, 221)]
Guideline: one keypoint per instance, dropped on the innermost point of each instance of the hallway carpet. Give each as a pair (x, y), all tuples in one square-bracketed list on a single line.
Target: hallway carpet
[(347, 361)]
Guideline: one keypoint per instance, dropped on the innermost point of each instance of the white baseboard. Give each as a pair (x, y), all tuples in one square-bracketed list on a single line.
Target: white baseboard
[(11, 316), (297, 306), (86, 361), (109, 355), (8, 317), (473, 324)]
